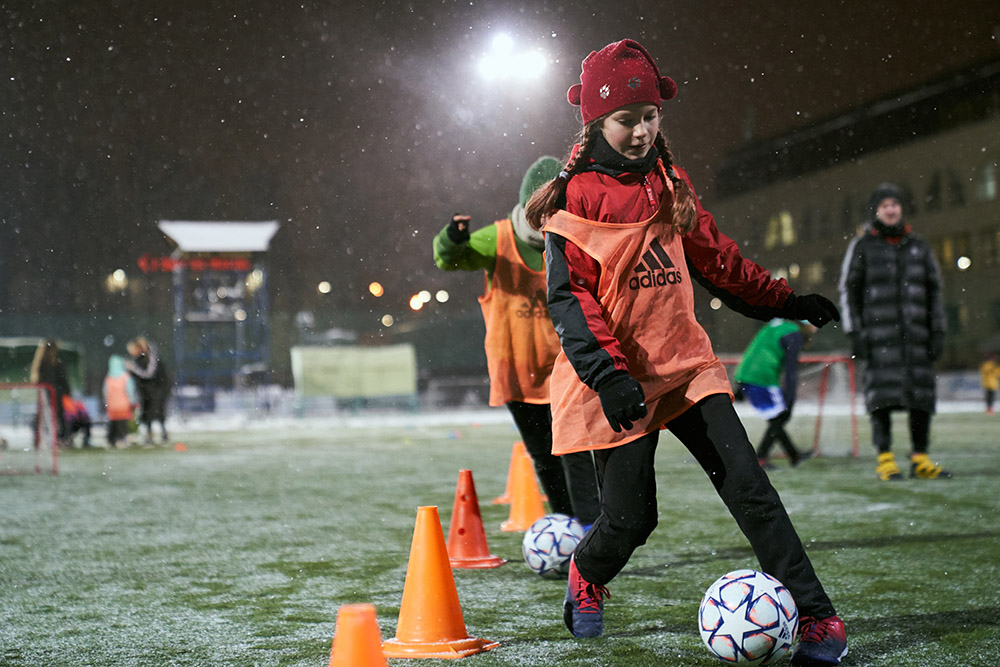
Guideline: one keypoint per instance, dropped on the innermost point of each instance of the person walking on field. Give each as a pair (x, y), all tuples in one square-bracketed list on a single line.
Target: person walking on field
[(768, 375), (625, 236), (120, 399), (521, 345), (989, 376), (890, 291)]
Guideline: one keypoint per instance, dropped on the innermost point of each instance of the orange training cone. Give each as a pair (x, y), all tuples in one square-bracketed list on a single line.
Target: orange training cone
[(526, 501), (517, 450), (430, 621), (357, 641), (466, 536)]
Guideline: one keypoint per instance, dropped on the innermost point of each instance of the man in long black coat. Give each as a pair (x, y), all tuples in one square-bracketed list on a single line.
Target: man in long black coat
[(890, 290)]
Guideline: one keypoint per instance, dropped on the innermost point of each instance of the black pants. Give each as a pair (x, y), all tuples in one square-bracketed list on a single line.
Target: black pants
[(117, 431), (920, 427), (776, 432), (712, 432), (570, 481)]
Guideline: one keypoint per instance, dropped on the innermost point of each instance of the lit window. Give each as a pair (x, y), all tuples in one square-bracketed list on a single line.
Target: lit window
[(780, 230), (986, 180)]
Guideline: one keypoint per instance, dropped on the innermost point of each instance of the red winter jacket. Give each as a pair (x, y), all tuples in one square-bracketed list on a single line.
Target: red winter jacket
[(713, 259)]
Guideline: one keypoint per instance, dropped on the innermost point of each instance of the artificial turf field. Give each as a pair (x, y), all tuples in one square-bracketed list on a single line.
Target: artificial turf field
[(241, 549)]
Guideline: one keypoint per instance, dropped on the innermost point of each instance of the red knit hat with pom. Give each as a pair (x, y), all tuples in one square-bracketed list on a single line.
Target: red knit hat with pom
[(619, 74)]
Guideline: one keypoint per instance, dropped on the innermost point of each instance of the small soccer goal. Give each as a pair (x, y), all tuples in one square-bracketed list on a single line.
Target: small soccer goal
[(28, 430), (827, 397)]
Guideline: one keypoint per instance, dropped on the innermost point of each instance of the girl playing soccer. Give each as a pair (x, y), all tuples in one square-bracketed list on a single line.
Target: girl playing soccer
[(625, 236)]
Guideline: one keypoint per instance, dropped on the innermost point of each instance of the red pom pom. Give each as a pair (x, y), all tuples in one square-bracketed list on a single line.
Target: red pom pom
[(668, 89), (573, 94)]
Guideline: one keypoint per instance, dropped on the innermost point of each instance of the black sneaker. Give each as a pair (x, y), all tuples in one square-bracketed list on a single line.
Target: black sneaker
[(802, 456)]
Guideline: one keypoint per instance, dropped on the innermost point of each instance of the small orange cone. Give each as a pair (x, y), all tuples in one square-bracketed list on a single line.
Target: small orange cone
[(466, 537), (517, 450), (430, 623), (357, 641), (526, 500)]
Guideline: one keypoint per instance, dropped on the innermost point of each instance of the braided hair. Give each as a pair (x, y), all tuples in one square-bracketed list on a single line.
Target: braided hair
[(551, 197), (548, 199)]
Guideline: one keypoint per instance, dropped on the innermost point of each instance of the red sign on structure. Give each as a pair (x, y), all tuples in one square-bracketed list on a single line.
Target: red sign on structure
[(152, 264)]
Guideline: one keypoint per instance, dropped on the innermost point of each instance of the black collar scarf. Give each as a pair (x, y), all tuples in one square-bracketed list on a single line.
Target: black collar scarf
[(607, 160)]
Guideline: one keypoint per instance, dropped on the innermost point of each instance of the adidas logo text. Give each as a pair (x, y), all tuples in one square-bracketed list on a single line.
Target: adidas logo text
[(655, 269)]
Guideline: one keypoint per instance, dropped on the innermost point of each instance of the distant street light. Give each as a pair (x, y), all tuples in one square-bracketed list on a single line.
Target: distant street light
[(117, 281)]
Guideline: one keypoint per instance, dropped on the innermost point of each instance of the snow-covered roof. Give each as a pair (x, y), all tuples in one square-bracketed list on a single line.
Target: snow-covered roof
[(195, 236)]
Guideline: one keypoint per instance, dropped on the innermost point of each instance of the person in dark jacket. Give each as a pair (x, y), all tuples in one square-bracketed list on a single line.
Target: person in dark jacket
[(150, 375), (890, 290), (47, 368)]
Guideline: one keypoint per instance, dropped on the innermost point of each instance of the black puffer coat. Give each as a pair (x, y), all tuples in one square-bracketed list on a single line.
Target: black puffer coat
[(890, 291)]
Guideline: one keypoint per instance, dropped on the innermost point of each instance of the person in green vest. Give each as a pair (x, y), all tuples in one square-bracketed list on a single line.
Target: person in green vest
[(521, 342), (768, 376)]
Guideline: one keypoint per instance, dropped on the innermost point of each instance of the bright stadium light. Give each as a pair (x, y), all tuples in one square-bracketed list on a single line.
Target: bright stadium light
[(505, 61), (376, 288), (388, 320), (442, 296), (324, 287), (963, 263), (416, 303)]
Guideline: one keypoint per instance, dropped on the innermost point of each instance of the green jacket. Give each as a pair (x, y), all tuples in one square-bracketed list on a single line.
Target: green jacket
[(480, 253), (773, 353)]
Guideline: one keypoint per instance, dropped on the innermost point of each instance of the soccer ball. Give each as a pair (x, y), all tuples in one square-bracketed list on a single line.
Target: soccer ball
[(748, 618), (549, 543)]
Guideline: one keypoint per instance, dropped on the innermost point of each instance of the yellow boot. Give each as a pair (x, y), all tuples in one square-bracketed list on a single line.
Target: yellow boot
[(887, 469), (921, 466)]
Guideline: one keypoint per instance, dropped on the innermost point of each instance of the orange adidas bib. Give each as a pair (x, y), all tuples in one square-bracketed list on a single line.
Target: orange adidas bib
[(521, 344), (647, 300)]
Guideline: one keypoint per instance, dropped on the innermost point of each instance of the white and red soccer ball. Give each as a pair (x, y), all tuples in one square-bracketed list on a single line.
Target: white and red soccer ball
[(548, 544), (748, 618)]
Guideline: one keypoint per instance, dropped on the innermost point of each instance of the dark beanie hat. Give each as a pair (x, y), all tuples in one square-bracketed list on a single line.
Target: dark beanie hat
[(541, 171), (621, 73), (886, 191)]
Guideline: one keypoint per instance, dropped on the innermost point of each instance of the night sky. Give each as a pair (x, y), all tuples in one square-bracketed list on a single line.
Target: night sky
[(362, 126)]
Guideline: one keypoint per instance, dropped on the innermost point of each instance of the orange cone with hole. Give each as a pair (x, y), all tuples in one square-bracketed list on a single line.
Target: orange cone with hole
[(517, 450), (467, 547), (357, 641), (526, 500), (430, 621)]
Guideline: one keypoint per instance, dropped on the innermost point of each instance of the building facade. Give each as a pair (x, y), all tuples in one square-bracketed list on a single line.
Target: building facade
[(794, 202)]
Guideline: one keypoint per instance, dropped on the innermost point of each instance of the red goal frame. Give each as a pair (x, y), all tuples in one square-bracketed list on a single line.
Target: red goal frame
[(53, 440), (826, 360)]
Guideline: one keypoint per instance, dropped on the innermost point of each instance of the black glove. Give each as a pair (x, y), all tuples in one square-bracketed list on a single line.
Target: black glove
[(458, 229), (815, 308), (936, 345), (859, 350), (622, 399)]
